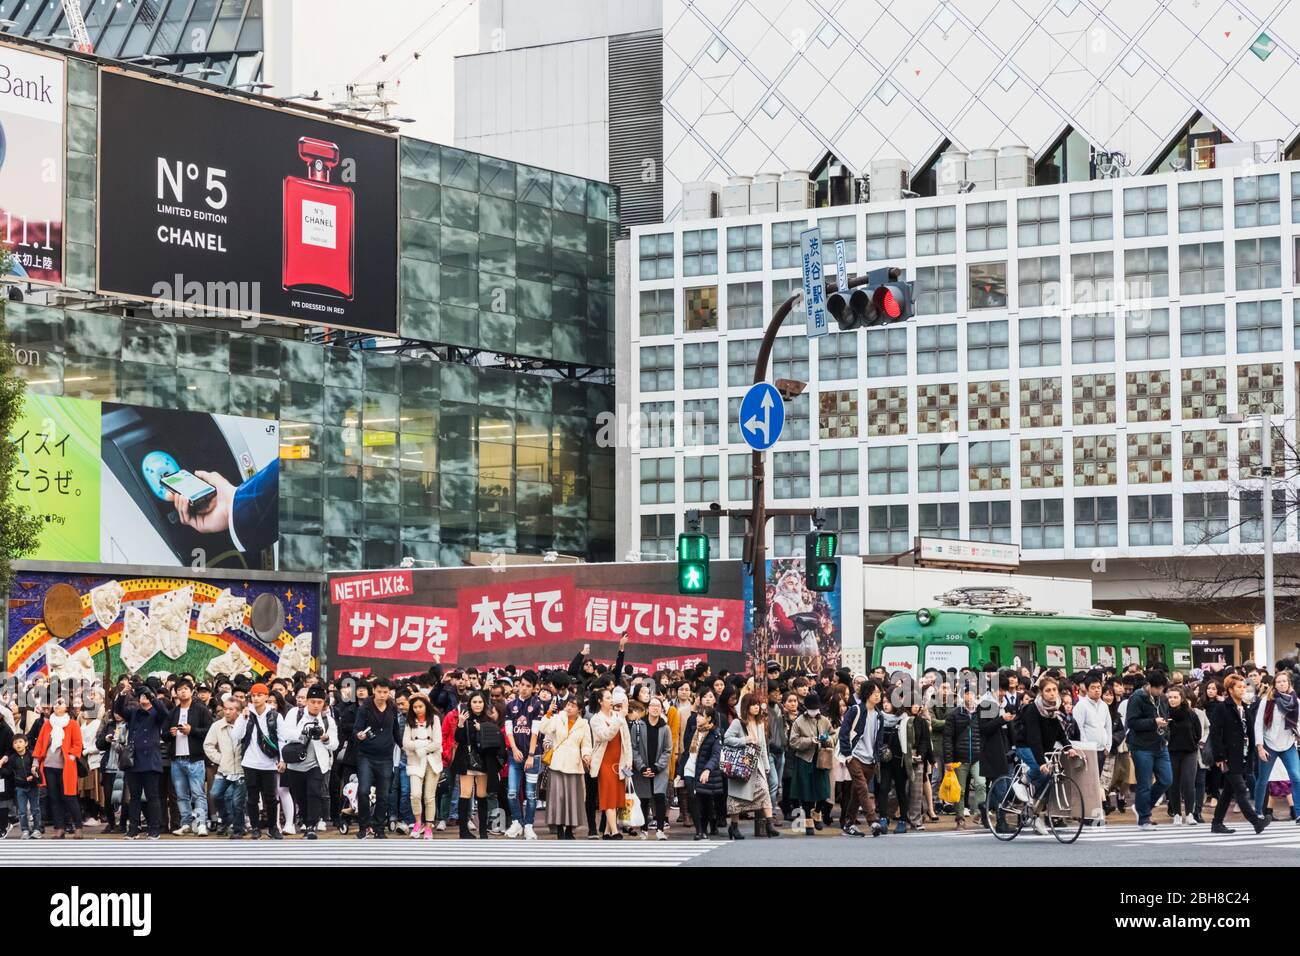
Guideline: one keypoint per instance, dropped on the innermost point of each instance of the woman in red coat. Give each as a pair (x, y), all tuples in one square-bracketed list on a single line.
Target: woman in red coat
[(57, 749)]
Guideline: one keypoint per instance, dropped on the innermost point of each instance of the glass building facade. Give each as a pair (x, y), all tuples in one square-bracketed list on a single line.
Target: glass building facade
[(220, 41), (388, 454)]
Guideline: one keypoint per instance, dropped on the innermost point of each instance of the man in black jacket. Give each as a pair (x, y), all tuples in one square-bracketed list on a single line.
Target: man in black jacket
[(186, 729), (1232, 734), (1146, 717), (963, 744), (375, 734)]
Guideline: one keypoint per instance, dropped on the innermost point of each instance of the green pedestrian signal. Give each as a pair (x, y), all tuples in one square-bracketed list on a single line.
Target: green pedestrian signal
[(821, 567), (692, 563)]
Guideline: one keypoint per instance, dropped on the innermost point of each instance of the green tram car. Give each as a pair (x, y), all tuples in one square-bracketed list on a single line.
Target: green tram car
[(952, 637)]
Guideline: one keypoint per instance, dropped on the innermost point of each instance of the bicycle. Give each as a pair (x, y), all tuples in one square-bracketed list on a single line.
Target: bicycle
[(1060, 800)]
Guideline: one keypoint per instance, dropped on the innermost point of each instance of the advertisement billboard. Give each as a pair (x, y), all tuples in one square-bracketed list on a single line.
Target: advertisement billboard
[(124, 484), (239, 208), (805, 626), (160, 625), (33, 95)]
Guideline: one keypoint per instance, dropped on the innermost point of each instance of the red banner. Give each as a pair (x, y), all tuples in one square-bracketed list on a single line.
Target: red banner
[(399, 632), (368, 587), (522, 614), (661, 619), (679, 663)]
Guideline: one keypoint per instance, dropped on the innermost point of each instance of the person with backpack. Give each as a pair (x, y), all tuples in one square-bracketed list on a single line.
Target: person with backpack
[(1147, 720), (258, 731), (310, 740), (861, 741)]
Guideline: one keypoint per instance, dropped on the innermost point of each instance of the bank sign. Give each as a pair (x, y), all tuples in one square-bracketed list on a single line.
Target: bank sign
[(32, 102), (212, 203)]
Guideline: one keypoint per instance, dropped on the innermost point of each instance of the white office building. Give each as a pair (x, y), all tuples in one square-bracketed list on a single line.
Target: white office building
[(1060, 386)]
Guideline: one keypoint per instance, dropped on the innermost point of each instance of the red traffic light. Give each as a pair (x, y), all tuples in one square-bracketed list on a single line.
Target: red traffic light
[(885, 302)]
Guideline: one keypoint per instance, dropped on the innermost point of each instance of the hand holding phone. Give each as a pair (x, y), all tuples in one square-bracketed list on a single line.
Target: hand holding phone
[(197, 493)]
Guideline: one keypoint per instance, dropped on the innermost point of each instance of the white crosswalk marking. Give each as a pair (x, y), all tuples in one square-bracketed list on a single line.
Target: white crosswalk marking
[(345, 852), (1280, 834)]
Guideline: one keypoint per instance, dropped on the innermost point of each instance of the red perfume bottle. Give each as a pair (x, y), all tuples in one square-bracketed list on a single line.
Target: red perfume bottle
[(318, 225)]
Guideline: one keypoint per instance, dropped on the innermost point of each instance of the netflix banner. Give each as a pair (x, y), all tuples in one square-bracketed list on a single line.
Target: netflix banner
[(399, 632), (211, 203), (362, 587), (661, 619), (527, 613)]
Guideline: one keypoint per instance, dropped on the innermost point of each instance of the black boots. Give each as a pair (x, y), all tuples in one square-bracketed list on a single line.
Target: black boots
[(482, 818), (770, 827), (462, 810), (733, 831)]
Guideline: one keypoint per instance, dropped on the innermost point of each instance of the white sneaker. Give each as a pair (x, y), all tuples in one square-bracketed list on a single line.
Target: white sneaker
[(1040, 826), (403, 828), (320, 826), (1189, 820), (529, 832), (289, 830), (1176, 820), (1021, 791), (516, 828), (181, 831), (201, 830), (661, 835), (643, 835), (442, 825)]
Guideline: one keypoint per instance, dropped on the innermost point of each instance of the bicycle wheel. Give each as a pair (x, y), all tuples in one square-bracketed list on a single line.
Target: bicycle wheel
[(1002, 800), (1066, 825)]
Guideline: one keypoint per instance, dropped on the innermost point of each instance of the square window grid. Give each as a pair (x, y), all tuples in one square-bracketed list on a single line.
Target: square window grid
[(700, 365), (1255, 201), (1039, 282), (739, 472), (887, 530), (785, 244), (1150, 458), (990, 521), (700, 422), (886, 412), (1041, 403), (700, 252), (1038, 221), (1092, 276), (887, 470), (1093, 397), (657, 312), (1147, 396), (986, 346), (700, 312), (745, 306), (833, 229), (1259, 326), (935, 290), (936, 349), (656, 255), (1259, 388), (837, 356), (1202, 330), (1251, 528), (1096, 522), (886, 352), (745, 248), (792, 477), (790, 357), (1205, 454), (1040, 342), (1094, 460), (939, 520), (1042, 524), (1205, 517), (990, 466), (1092, 338), (1250, 453), (988, 285), (936, 408), (1200, 206), (837, 472), (1090, 216), (1200, 268), (1146, 274), (700, 478), (742, 359), (988, 405), (887, 235), (1146, 212), (1204, 392), (797, 422), (936, 231), (936, 467), (838, 414), (657, 370), (657, 487), (1259, 263), (986, 226), (1150, 520), (1042, 462)]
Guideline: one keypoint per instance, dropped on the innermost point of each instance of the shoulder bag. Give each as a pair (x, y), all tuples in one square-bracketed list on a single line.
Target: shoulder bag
[(738, 762)]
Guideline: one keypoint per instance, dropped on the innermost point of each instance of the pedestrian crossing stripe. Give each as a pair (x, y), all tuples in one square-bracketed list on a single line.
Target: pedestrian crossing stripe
[(342, 852), (1278, 834)]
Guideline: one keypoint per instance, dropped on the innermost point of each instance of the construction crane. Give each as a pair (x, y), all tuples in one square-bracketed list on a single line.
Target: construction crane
[(77, 24)]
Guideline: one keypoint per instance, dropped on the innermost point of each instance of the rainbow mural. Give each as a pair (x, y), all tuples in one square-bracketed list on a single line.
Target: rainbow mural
[(28, 636)]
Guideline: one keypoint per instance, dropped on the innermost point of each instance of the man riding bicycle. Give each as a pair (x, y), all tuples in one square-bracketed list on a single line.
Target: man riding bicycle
[(1042, 730)]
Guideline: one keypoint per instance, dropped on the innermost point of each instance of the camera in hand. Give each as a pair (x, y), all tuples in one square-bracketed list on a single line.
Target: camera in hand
[(313, 732)]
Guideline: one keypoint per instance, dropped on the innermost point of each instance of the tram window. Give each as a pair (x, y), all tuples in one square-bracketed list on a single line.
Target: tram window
[(995, 658), (1105, 656), (1025, 656), (1155, 654), (901, 657), (947, 657), (1082, 659), (1132, 655), (1055, 655)]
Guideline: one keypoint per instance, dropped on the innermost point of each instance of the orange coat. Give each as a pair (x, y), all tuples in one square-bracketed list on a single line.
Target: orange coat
[(72, 749)]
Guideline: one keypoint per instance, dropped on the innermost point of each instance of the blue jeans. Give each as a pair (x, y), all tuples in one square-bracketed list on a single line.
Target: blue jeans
[(189, 780), (517, 772), (29, 801), (374, 772), (1037, 779), (1145, 763), (775, 769), (231, 798), (1291, 760), (399, 797)]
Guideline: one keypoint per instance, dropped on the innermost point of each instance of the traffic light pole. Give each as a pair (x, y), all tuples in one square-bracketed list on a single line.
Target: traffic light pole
[(759, 514)]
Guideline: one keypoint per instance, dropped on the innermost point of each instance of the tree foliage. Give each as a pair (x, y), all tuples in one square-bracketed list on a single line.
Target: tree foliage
[(19, 528)]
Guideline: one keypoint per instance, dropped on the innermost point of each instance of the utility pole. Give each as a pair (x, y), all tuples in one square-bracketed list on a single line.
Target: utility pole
[(759, 514)]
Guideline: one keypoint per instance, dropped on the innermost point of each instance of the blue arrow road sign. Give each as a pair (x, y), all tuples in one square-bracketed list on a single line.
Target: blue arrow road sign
[(762, 416)]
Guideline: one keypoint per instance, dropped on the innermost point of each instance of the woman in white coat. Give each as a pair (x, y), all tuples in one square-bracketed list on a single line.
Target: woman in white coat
[(1277, 731), (611, 757), (567, 754), (422, 742)]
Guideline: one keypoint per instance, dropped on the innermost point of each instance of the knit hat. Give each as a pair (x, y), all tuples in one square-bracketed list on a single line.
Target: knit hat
[(317, 692), (258, 688), (812, 701)]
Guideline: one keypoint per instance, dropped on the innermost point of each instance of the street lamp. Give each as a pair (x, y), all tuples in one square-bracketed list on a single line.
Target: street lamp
[(1266, 471)]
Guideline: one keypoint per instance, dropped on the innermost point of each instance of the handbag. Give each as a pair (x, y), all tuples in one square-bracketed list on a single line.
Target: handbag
[(825, 758), (738, 763), (83, 766), (631, 813)]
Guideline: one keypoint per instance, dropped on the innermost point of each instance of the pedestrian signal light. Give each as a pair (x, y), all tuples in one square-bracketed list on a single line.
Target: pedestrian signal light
[(821, 566), (692, 563)]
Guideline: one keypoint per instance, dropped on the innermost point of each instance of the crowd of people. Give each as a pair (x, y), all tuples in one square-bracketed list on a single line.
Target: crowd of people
[(620, 755)]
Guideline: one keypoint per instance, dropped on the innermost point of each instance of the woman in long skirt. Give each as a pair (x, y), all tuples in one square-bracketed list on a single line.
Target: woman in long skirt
[(568, 757)]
